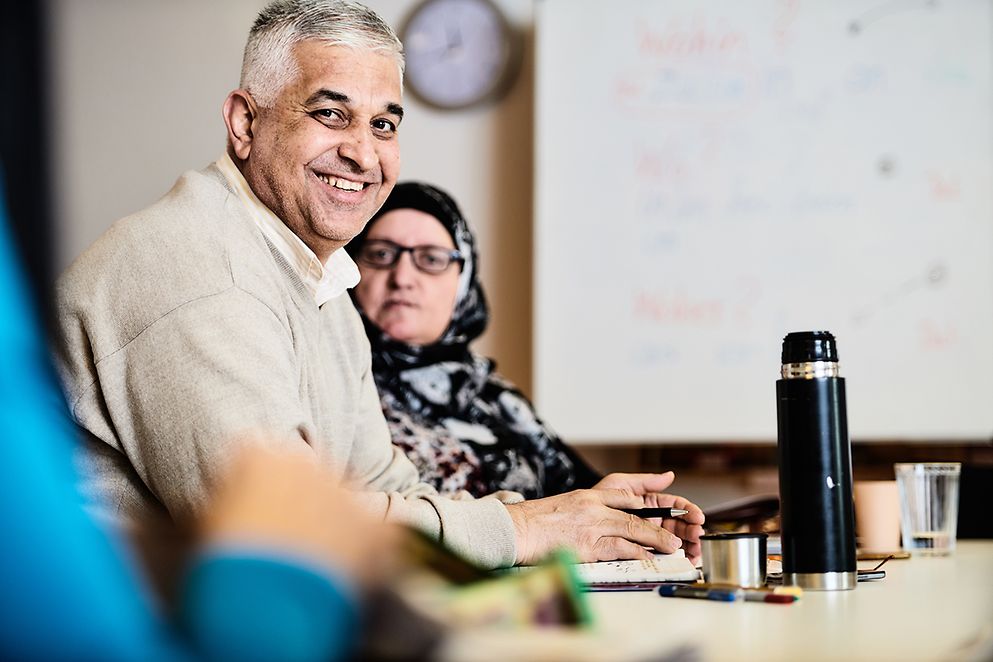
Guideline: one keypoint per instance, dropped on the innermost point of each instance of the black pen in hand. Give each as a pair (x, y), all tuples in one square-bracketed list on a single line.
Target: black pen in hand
[(664, 513)]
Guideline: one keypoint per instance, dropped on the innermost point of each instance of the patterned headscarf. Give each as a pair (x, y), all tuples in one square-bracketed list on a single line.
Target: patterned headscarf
[(463, 425), (470, 315)]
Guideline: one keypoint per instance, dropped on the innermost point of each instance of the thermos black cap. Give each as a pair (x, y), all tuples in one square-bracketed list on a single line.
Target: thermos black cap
[(809, 346)]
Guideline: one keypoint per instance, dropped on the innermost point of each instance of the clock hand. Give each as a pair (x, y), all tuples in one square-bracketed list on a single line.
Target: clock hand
[(454, 41), (455, 38)]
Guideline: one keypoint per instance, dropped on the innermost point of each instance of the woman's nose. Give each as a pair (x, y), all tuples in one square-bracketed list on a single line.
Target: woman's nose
[(403, 272)]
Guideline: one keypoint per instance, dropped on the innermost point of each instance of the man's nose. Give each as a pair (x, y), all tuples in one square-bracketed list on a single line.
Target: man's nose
[(358, 148)]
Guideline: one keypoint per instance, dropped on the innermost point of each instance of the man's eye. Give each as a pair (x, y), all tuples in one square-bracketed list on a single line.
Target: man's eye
[(384, 126), (330, 116)]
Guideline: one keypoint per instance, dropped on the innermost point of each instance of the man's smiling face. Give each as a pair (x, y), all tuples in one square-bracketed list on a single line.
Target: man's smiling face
[(325, 156)]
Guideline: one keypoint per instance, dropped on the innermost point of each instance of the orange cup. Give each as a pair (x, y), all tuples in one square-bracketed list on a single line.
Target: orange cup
[(877, 515)]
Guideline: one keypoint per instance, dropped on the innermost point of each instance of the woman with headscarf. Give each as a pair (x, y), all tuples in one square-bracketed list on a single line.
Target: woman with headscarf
[(463, 425)]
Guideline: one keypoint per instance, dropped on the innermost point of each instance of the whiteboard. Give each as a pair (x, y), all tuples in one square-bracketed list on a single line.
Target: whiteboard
[(713, 174)]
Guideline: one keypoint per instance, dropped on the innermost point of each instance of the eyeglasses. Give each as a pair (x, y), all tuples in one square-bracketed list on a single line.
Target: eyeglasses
[(384, 254)]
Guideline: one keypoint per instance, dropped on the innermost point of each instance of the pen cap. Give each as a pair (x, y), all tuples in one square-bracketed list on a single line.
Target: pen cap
[(734, 558)]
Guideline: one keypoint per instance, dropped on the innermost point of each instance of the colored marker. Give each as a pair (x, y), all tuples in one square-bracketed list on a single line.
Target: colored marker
[(729, 594), (765, 596), (678, 591), (791, 591)]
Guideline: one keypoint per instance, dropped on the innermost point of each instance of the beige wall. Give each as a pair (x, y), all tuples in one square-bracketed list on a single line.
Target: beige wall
[(137, 90)]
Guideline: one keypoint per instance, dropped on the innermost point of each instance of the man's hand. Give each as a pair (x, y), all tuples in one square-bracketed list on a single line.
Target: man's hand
[(688, 527), (589, 522)]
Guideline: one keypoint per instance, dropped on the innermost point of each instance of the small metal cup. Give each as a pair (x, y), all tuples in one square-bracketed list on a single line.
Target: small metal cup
[(734, 558)]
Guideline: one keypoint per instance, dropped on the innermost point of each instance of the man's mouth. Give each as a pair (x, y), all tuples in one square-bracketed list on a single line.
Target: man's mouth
[(341, 182)]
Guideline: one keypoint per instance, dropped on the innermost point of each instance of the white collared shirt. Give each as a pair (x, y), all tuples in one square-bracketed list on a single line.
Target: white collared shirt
[(325, 281)]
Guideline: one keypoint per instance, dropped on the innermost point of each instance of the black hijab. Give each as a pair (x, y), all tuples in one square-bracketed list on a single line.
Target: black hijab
[(463, 425), (469, 316)]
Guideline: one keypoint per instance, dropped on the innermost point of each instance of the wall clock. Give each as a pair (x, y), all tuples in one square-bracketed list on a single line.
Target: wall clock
[(460, 53)]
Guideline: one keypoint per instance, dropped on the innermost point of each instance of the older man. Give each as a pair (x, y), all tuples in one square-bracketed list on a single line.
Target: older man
[(219, 310)]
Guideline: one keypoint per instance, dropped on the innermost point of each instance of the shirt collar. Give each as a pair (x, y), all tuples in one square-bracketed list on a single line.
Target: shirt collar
[(324, 281)]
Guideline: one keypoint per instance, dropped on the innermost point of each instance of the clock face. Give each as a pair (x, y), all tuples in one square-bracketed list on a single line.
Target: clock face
[(459, 52)]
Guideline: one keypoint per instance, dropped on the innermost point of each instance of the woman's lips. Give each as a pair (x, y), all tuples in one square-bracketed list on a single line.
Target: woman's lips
[(400, 303)]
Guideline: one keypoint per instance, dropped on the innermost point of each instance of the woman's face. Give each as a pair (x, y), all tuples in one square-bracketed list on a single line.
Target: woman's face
[(409, 305)]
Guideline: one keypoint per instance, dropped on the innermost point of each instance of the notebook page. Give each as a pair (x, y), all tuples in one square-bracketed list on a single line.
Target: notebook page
[(660, 568)]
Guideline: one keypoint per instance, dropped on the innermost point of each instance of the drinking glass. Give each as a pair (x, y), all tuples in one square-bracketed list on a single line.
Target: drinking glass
[(929, 506)]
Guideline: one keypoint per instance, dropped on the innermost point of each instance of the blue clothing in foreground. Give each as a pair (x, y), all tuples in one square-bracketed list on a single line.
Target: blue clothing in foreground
[(68, 590)]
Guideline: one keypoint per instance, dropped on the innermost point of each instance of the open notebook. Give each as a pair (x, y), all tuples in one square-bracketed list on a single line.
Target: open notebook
[(673, 567)]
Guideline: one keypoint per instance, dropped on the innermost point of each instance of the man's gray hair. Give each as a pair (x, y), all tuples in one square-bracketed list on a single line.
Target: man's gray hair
[(268, 64)]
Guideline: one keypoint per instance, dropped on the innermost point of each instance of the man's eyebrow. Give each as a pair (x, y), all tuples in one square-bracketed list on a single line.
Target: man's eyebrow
[(327, 95), (341, 97)]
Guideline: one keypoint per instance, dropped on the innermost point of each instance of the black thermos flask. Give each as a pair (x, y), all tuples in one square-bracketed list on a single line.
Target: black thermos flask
[(815, 466)]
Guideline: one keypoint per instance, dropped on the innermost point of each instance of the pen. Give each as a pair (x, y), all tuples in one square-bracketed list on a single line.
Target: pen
[(678, 591), (725, 594), (620, 587), (792, 591), (664, 513)]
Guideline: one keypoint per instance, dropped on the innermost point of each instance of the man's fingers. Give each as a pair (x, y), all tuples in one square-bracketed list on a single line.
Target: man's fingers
[(611, 548), (618, 498), (690, 535), (684, 530), (593, 524), (653, 482), (643, 532), (666, 538), (694, 514), (637, 483)]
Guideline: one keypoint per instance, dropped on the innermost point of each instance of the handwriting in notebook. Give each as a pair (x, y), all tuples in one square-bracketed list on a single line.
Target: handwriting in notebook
[(660, 568)]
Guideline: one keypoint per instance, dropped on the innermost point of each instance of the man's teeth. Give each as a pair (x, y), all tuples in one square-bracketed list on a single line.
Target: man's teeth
[(343, 184)]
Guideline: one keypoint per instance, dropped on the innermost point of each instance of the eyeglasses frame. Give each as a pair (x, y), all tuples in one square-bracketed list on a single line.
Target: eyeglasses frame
[(453, 254)]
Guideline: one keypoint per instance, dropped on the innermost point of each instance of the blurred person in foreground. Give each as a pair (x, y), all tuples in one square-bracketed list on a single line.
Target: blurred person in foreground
[(221, 308), (464, 426), (270, 579)]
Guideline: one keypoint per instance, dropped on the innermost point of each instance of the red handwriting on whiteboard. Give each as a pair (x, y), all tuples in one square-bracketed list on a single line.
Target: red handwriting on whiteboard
[(943, 186), (676, 308), (657, 166), (682, 38), (934, 335), (783, 25)]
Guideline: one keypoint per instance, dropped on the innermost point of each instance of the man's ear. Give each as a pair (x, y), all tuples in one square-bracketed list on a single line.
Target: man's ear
[(239, 116)]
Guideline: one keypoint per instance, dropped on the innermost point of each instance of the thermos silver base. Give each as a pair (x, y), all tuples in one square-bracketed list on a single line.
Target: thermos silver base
[(821, 581)]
